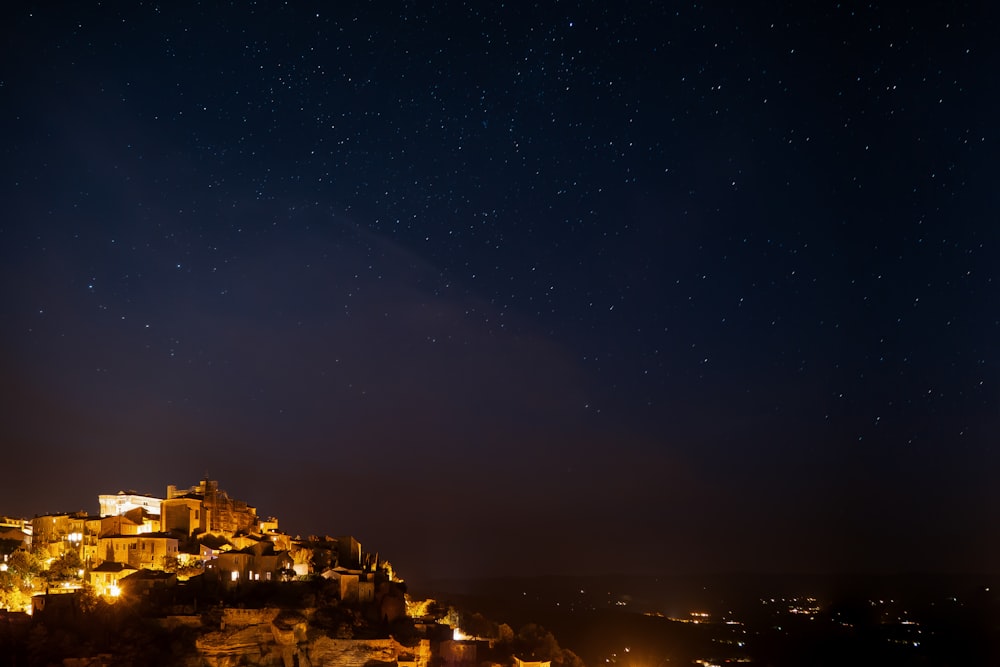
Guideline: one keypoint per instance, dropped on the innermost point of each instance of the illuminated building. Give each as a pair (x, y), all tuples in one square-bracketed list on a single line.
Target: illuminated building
[(105, 578), (257, 563), (531, 663), (126, 501), (15, 530), (204, 508), (59, 533), (148, 551)]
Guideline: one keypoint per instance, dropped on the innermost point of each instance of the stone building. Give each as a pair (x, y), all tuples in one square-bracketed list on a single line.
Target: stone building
[(206, 508), (57, 534), (149, 550), (184, 514), (260, 562), (125, 501), (14, 534), (105, 577)]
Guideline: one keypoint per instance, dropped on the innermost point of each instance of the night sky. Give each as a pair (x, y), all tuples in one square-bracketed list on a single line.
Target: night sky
[(498, 288)]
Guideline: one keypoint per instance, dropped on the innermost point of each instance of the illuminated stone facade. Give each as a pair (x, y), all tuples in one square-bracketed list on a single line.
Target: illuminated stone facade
[(218, 512), (185, 514), (258, 563), (106, 577), (149, 551), (59, 533), (348, 552), (15, 532), (531, 663), (126, 501), (24, 525), (119, 525)]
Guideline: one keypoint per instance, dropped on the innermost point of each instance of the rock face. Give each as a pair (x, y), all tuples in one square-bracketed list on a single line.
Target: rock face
[(268, 637), (289, 628), (352, 652), (242, 646)]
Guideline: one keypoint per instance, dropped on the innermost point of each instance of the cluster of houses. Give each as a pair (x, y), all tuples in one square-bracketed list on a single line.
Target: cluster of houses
[(140, 541), (139, 538)]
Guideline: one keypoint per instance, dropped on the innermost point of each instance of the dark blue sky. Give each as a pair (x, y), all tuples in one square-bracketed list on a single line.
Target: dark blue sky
[(574, 287)]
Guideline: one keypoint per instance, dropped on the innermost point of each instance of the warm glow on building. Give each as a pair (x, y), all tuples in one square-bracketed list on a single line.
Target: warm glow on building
[(126, 501)]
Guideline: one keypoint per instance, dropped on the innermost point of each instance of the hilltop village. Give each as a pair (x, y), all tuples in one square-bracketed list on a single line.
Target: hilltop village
[(198, 578)]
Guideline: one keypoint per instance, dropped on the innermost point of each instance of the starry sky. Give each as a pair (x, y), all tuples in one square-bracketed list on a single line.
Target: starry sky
[(568, 287)]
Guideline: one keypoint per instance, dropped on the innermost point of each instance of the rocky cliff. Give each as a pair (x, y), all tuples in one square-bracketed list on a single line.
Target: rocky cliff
[(286, 638)]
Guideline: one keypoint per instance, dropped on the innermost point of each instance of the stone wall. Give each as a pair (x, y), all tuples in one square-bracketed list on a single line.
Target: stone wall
[(274, 637), (238, 618)]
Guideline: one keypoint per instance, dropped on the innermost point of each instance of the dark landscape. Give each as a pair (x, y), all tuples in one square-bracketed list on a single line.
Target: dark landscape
[(786, 620)]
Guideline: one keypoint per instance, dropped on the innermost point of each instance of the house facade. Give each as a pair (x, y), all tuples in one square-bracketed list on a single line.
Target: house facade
[(184, 514), (126, 501), (57, 534), (144, 551), (106, 577), (257, 563)]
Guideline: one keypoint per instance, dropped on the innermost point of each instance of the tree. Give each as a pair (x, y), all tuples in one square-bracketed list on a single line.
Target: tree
[(24, 563), (505, 634), (570, 659), (15, 591), (477, 625), (66, 567), (8, 545), (17, 581), (191, 569), (536, 643), (171, 564)]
